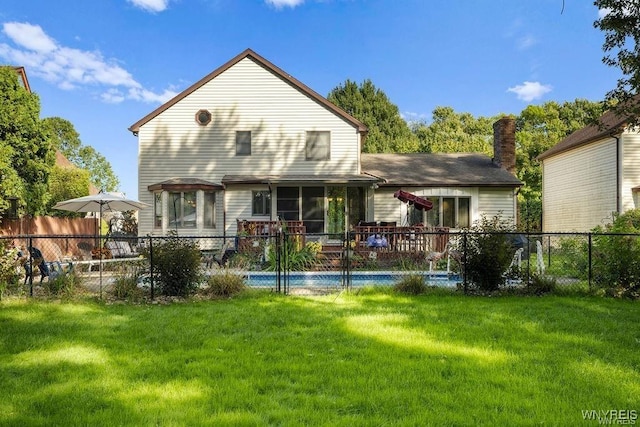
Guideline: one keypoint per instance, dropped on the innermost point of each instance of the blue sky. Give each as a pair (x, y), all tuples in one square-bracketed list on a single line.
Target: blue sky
[(104, 64)]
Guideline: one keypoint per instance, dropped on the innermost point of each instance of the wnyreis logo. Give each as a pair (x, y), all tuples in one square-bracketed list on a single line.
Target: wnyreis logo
[(611, 416)]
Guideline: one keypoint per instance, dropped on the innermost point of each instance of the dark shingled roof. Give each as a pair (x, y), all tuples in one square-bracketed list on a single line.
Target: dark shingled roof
[(610, 124), (279, 179), (185, 183), (437, 170)]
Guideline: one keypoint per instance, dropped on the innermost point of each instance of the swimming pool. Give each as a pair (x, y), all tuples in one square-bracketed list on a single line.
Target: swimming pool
[(358, 278)]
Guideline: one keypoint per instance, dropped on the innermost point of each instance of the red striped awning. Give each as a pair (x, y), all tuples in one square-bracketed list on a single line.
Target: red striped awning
[(417, 201)]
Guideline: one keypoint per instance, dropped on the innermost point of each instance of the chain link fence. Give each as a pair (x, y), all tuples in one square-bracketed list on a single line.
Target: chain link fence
[(286, 262)]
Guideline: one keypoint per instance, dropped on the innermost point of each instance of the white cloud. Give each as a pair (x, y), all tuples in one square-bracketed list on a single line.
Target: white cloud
[(148, 96), (112, 96), (526, 42), (528, 91), (29, 36), (603, 12), (279, 4), (71, 68), (150, 5)]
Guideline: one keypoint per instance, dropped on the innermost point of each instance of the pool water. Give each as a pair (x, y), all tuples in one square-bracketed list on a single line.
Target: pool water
[(358, 279)]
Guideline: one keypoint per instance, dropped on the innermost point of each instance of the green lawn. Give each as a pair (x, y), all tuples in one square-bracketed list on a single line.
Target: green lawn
[(375, 358)]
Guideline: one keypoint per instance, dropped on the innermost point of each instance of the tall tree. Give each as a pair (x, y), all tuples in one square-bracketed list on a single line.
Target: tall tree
[(620, 21), (451, 132), (66, 139), (388, 131), (67, 183), (24, 141)]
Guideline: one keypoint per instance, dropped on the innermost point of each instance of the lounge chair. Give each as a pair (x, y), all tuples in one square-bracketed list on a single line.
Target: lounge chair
[(120, 249), (51, 269)]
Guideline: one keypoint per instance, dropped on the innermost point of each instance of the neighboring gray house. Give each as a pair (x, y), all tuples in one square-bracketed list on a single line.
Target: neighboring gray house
[(250, 142), (589, 175)]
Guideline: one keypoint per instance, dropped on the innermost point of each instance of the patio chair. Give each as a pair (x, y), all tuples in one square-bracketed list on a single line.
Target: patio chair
[(226, 251), (34, 261), (120, 249)]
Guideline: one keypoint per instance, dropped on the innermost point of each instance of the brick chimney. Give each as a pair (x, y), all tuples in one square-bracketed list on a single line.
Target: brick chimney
[(504, 144)]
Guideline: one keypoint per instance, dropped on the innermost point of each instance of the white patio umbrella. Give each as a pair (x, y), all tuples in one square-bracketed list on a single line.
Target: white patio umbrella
[(100, 203)]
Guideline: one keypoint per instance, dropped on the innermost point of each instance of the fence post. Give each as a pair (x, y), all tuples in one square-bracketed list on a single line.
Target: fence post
[(590, 271), (528, 252), (464, 263), (151, 267), (278, 259), (285, 250), (29, 246)]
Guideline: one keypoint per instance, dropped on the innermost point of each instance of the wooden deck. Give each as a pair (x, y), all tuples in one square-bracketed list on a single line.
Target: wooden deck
[(397, 239)]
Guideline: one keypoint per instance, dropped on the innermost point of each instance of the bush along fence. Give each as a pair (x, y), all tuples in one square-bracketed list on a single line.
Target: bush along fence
[(469, 261)]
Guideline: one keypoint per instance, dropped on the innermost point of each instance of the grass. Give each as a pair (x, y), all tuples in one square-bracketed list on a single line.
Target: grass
[(375, 358)]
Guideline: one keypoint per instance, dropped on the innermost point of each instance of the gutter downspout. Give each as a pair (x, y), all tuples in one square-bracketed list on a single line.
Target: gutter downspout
[(224, 213), (618, 169)]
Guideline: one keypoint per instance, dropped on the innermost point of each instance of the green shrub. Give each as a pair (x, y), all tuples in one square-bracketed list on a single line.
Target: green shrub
[(243, 261), (9, 270), (413, 285), (571, 256), (225, 284), (126, 287), (292, 255), (616, 256), (62, 285), (540, 284), (177, 265), (488, 252)]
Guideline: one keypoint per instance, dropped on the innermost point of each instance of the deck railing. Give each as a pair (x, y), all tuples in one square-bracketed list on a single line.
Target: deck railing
[(401, 239)]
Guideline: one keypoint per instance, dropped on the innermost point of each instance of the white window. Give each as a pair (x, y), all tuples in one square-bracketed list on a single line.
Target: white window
[(209, 209), (157, 209), (182, 209), (261, 203), (243, 143), (452, 212), (318, 145)]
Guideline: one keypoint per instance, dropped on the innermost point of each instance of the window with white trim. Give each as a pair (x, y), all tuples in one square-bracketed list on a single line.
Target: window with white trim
[(318, 145), (451, 212), (182, 209), (260, 203), (243, 143), (209, 209), (157, 209)]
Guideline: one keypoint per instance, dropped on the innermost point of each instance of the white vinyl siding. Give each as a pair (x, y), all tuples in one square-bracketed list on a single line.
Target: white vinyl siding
[(388, 208), (497, 202), (244, 97), (579, 188), (631, 170), (238, 200)]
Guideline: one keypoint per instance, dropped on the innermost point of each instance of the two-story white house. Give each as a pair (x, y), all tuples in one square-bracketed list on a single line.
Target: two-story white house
[(249, 141), (589, 175)]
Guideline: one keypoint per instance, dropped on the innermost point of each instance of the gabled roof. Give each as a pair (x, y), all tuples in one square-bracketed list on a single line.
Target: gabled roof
[(609, 124), (437, 170), (22, 73), (248, 53)]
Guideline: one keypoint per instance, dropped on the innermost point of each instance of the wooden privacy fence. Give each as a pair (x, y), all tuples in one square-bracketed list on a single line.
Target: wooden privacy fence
[(48, 226)]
